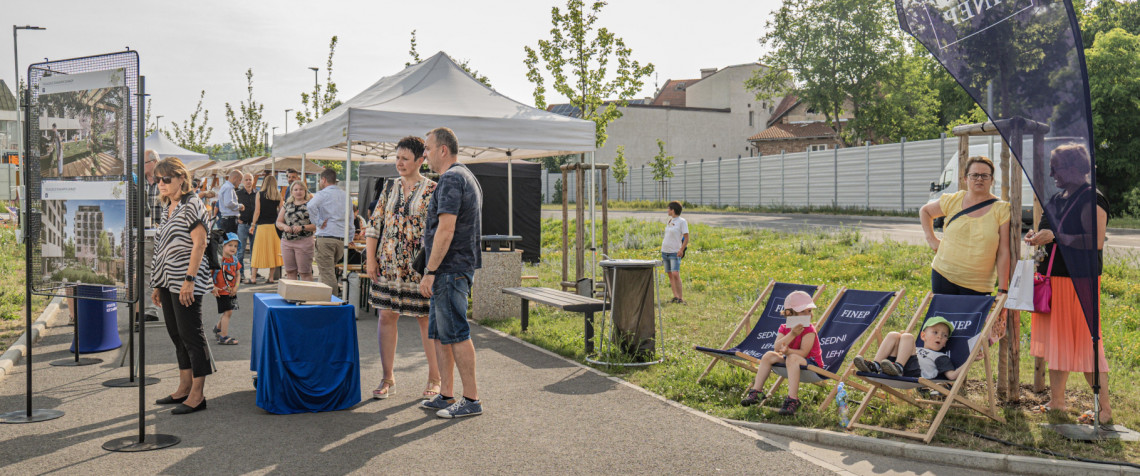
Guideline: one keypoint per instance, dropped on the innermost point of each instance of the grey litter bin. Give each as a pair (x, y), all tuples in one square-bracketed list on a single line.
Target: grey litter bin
[(631, 289)]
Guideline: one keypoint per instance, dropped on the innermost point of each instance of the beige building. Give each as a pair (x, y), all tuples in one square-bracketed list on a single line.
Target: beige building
[(707, 117)]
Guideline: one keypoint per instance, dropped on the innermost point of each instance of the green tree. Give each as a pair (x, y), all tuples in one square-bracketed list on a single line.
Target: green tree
[(579, 65), (69, 248), (902, 104), (1115, 88), (191, 135), (1105, 15), (320, 102), (103, 246), (247, 128), (662, 166), (465, 64), (620, 170), (974, 116), (826, 52)]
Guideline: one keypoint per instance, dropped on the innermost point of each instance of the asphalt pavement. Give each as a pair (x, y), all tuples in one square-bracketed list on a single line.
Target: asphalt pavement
[(543, 414)]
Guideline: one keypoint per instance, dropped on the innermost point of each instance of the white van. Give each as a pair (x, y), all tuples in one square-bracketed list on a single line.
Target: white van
[(948, 180)]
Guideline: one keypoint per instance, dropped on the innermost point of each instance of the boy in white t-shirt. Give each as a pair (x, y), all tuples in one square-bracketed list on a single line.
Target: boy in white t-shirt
[(673, 248)]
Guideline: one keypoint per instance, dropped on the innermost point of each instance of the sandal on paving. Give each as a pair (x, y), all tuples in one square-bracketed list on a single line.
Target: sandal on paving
[(227, 340), (432, 388), (1086, 418), (382, 391), (217, 331)]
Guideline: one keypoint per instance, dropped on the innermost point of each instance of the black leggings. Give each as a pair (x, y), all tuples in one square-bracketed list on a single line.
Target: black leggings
[(940, 285), (184, 324)]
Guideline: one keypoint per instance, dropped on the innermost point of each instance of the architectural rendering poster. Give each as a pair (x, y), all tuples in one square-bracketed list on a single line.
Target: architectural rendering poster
[(83, 125), (83, 236)]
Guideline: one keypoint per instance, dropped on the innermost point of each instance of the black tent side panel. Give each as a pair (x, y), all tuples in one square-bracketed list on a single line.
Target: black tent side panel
[(527, 178)]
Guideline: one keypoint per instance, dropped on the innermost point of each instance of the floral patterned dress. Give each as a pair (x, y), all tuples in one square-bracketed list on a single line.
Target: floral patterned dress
[(398, 225)]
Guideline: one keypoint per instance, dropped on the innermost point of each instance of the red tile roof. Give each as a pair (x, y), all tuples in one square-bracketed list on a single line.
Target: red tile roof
[(785, 105), (804, 130), (673, 92)]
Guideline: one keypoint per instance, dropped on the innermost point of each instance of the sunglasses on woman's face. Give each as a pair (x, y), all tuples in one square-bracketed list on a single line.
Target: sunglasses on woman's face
[(166, 180)]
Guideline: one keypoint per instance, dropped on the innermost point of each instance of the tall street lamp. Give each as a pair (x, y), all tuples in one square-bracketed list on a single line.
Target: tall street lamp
[(287, 111), (158, 122), (316, 82), (20, 99)]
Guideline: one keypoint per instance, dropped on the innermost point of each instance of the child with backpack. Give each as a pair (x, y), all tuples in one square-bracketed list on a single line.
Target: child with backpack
[(795, 346), (225, 289)]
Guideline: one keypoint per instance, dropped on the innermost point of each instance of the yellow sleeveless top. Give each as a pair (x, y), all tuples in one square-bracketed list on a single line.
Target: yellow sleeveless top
[(967, 255)]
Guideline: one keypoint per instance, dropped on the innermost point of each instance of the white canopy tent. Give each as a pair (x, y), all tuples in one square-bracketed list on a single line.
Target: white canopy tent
[(158, 142), (433, 93)]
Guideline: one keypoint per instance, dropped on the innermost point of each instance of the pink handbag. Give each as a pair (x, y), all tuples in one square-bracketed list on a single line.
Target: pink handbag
[(1042, 288)]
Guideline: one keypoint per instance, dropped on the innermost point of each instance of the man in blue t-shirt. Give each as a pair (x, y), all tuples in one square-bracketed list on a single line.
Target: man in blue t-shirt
[(451, 245)]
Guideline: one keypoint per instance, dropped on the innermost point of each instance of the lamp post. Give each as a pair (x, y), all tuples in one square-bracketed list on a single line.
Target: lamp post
[(158, 122), (316, 82), (29, 415), (20, 99), (287, 111)]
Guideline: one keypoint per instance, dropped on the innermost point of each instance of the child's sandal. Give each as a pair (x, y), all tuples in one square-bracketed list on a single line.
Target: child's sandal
[(227, 340), (383, 390), (753, 397), (433, 388)]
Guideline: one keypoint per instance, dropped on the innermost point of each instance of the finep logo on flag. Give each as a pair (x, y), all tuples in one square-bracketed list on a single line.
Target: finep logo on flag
[(951, 21)]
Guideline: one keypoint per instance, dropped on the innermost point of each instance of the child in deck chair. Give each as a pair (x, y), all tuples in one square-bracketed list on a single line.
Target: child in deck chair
[(928, 362), (794, 347)]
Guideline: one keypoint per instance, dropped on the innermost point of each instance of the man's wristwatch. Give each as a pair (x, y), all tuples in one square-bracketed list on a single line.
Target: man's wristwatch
[(1003, 291), (188, 277), (430, 272)]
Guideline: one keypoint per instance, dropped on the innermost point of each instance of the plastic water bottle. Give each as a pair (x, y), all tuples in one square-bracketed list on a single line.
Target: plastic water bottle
[(841, 401)]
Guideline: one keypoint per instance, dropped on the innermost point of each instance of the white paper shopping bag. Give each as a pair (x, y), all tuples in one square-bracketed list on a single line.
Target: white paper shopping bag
[(1021, 287)]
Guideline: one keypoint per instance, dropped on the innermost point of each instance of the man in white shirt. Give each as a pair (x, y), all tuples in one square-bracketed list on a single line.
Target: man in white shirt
[(228, 205), (326, 210)]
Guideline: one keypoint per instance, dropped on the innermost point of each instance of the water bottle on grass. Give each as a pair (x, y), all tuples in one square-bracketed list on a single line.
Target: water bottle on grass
[(841, 401)]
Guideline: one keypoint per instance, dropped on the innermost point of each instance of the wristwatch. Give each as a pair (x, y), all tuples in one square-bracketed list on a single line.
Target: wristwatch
[(430, 272), (188, 277)]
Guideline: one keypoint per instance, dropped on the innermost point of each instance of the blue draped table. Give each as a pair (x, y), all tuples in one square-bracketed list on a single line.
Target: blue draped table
[(306, 357)]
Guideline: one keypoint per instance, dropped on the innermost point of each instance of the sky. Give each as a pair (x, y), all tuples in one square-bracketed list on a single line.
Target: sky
[(187, 47)]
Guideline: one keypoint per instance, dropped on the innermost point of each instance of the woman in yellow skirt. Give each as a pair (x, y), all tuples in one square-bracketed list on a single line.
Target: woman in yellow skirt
[(266, 243)]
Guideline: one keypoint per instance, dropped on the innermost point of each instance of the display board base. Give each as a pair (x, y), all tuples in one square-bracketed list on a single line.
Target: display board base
[(594, 361), (37, 416), (131, 444), (127, 382), (1095, 433), (74, 363)]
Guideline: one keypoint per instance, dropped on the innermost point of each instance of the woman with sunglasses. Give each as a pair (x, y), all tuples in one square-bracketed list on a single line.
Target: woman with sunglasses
[(180, 278), (974, 242)]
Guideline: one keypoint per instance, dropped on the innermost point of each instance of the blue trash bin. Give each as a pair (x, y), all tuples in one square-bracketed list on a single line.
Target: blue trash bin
[(98, 320)]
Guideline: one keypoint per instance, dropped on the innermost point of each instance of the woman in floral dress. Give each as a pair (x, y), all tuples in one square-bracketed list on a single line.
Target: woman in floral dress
[(394, 236)]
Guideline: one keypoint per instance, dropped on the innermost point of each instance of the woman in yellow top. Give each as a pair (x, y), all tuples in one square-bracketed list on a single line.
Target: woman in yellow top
[(974, 250)]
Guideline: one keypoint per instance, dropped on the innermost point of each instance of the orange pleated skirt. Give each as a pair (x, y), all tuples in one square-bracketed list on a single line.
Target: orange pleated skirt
[(1062, 336)]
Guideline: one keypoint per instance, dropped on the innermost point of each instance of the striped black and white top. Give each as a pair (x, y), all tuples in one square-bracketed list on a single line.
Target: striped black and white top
[(172, 247)]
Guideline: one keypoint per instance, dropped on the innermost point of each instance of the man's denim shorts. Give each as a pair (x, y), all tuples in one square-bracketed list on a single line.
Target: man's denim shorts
[(672, 262), (447, 318)]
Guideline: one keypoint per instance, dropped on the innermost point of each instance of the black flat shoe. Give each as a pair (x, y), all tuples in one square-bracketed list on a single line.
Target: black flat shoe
[(169, 400), (184, 408)]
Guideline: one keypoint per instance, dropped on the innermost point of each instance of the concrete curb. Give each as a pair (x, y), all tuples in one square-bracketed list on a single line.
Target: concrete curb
[(991, 462), (20, 347), (940, 455)]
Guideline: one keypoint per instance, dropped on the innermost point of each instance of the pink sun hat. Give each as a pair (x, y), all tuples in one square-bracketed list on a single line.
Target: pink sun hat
[(798, 301)]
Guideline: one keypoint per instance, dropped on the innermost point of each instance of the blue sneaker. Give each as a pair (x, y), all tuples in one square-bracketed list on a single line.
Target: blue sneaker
[(437, 403), (462, 408)]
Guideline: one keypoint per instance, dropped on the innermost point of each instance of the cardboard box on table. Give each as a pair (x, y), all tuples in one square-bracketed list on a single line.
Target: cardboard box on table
[(302, 291)]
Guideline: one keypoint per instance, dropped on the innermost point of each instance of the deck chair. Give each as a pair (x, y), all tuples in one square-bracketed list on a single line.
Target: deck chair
[(846, 319), (760, 339), (973, 316)]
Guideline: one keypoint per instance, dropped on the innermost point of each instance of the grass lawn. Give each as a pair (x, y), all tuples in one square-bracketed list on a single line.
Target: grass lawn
[(726, 269), (12, 289)]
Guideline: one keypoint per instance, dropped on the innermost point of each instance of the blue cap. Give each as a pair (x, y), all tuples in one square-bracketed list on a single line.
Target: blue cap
[(230, 237)]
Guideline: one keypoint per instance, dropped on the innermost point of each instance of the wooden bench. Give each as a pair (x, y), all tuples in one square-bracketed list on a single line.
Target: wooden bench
[(561, 300)]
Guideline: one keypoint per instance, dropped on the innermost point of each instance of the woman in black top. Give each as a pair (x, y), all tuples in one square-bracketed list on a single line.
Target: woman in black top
[(266, 243), (1062, 336), (180, 277), (247, 196)]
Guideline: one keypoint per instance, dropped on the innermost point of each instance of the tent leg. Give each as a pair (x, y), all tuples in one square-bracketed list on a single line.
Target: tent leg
[(348, 216)]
